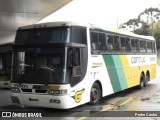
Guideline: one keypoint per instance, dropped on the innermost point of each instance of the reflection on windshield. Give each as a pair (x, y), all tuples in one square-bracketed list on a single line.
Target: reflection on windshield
[(41, 66)]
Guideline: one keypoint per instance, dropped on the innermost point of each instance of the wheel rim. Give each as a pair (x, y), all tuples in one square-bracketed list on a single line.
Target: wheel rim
[(147, 79), (142, 83), (94, 94)]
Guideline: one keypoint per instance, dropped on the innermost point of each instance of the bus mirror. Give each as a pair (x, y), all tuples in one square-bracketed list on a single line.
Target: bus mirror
[(76, 71)]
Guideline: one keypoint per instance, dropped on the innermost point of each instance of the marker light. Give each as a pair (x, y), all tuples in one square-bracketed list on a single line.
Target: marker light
[(57, 92), (15, 90)]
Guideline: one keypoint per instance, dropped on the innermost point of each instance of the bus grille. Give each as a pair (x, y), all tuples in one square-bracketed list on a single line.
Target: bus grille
[(36, 91), (26, 90)]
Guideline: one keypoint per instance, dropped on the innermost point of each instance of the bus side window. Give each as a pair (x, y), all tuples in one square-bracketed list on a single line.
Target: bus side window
[(110, 43), (143, 46), (153, 47), (94, 40), (116, 44), (102, 42), (149, 47), (123, 44), (128, 44), (135, 45)]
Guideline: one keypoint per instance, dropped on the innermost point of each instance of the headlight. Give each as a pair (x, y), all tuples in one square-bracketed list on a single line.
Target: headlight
[(15, 90), (57, 92)]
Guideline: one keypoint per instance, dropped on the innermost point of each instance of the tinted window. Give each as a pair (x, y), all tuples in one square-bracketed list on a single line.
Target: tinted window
[(135, 45), (102, 41), (142, 46), (128, 44), (116, 45), (98, 41), (79, 35), (110, 42), (42, 35), (153, 47), (94, 41), (123, 44), (149, 47)]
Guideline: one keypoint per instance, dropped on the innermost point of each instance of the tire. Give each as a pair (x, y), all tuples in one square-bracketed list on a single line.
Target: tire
[(146, 80), (142, 81), (95, 94)]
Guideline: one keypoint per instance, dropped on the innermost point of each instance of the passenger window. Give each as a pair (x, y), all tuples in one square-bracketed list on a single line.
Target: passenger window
[(128, 44), (110, 43), (153, 47), (116, 45), (102, 41), (149, 47), (98, 41), (123, 44), (94, 41), (135, 45), (143, 46)]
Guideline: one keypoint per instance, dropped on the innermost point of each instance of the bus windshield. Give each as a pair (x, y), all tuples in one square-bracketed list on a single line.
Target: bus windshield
[(5, 64), (39, 65), (43, 35)]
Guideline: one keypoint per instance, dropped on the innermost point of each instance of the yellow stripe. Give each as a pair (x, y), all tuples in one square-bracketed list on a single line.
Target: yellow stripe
[(132, 74)]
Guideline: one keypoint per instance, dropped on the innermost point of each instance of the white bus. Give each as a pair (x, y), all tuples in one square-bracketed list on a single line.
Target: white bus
[(5, 64), (63, 64)]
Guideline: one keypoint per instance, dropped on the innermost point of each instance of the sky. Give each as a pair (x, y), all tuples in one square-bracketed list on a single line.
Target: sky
[(108, 13)]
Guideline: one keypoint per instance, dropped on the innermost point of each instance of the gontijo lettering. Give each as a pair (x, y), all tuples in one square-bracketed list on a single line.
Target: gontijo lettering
[(138, 60)]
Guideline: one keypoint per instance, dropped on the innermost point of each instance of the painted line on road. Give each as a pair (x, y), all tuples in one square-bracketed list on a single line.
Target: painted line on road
[(110, 106), (122, 101)]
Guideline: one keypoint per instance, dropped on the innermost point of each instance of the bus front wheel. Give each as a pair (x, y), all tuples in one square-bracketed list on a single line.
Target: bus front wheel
[(95, 94)]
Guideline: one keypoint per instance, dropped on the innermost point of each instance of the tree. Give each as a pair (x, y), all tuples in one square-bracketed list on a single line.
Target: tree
[(142, 31), (157, 37)]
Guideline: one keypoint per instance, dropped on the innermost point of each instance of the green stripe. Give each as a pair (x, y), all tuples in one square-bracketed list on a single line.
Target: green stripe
[(115, 71)]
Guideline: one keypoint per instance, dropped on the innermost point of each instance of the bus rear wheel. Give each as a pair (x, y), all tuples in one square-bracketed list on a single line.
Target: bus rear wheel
[(95, 94), (142, 81), (147, 78)]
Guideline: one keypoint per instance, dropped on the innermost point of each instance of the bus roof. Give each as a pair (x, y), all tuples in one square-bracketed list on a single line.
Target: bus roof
[(53, 24), (7, 43), (92, 26), (123, 32)]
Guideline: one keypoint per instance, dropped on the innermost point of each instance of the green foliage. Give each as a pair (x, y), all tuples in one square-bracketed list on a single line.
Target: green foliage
[(131, 21), (157, 37), (142, 31), (146, 29), (151, 10)]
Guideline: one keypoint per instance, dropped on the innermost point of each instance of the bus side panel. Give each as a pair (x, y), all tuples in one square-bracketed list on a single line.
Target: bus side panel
[(134, 65), (115, 71), (153, 71), (99, 72), (132, 74)]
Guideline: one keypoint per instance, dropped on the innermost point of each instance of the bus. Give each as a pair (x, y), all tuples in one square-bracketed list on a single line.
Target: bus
[(5, 64), (65, 64)]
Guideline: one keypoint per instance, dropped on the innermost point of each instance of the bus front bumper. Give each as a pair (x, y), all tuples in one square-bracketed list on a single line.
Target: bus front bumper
[(48, 101), (5, 84)]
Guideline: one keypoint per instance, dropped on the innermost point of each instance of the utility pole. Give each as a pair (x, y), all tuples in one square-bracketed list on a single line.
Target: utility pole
[(117, 24)]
